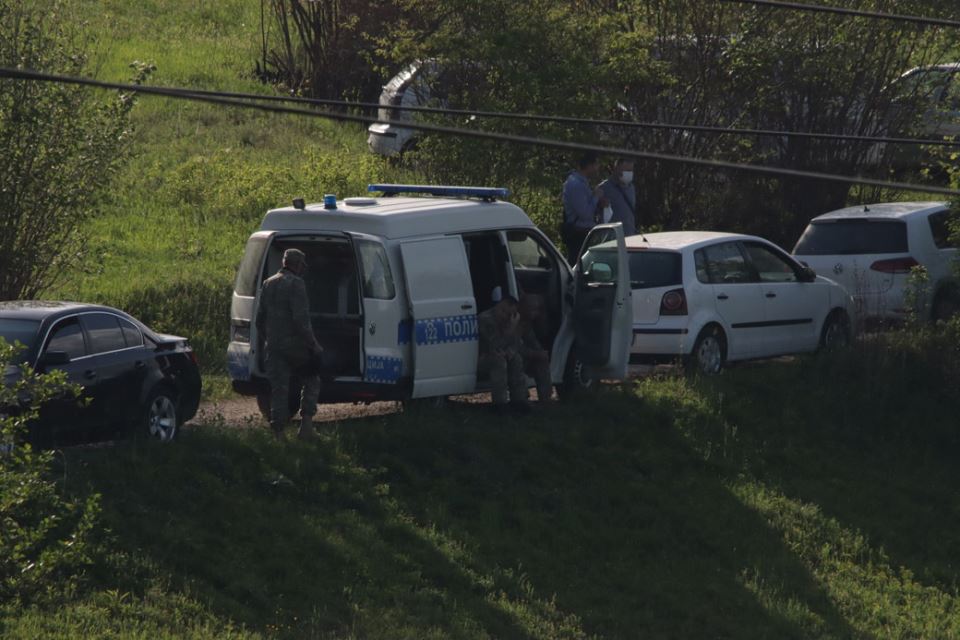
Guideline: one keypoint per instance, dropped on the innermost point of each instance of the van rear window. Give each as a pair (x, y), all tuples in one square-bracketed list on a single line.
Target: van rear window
[(248, 275), (850, 237), (653, 269)]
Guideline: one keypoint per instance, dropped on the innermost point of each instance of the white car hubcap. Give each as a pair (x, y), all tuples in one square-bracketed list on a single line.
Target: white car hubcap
[(710, 355), (162, 419)]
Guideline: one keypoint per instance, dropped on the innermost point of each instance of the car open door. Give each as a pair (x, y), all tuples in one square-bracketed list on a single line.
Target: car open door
[(603, 314), (443, 331)]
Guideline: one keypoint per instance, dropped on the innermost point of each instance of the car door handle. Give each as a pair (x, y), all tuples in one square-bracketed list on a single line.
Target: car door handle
[(771, 295), (723, 296), (139, 364), (89, 374)]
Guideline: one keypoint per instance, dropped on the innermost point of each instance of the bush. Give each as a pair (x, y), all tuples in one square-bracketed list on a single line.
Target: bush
[(45, 538)]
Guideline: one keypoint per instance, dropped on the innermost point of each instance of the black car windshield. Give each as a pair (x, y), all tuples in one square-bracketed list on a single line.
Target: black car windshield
[(851, 237), (14, 330)]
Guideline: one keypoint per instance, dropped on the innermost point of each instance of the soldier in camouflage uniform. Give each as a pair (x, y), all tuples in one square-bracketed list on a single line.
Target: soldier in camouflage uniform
[(283, 321), (500, 355), (536, 359)]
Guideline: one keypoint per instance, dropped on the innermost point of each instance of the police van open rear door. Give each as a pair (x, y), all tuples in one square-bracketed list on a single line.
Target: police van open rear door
[(443, 312), (603, 313)]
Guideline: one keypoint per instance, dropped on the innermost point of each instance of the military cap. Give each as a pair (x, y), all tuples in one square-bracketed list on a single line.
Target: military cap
[(294, 256)]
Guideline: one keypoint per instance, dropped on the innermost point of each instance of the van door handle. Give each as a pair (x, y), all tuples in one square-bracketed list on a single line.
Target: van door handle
[(771, 294), (466, 307), (723, 296)]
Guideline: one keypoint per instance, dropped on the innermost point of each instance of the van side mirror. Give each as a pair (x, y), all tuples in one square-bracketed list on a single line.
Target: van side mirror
[(600, 272), (54, 359), (807, 274)]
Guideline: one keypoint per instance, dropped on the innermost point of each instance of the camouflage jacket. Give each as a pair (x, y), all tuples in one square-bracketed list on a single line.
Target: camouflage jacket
[(493, 337), (283, 315)]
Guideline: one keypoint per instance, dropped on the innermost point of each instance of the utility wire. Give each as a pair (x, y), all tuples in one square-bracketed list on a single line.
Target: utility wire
[(187, 94), (505, 115), (799, 6), (585, 121)]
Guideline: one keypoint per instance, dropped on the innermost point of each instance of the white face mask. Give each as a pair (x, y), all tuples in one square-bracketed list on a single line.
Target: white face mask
[(626, 177)]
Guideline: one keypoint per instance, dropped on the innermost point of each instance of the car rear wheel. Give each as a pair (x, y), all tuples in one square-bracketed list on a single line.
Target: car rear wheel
[(160, 417), (709, 352), (836, 332)]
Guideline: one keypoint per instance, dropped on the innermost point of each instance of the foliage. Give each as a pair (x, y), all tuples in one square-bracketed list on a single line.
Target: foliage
[(61, 147), (45, 538), (715, 64), (324, 48)]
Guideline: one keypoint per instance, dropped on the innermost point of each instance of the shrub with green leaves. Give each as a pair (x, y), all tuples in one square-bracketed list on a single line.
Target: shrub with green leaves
[(45, 538)]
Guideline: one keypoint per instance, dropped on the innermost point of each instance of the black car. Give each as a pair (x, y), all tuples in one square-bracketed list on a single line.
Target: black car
[(135, 378)]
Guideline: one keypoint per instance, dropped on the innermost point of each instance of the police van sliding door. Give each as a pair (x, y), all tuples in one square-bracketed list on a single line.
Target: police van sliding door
[(444, 316)]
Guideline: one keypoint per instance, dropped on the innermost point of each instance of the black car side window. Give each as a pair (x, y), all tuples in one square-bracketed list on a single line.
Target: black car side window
[(104, 332), (131, 333), (67, 336)]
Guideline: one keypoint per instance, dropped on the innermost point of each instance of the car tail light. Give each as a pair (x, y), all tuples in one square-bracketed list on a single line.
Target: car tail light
[(241, 331), (674, 303), (895, 265)]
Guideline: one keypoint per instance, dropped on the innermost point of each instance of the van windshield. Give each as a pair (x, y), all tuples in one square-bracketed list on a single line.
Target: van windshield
[(850, 237)]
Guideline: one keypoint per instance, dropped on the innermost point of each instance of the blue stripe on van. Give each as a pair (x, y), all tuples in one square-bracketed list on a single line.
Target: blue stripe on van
[(447, 329)]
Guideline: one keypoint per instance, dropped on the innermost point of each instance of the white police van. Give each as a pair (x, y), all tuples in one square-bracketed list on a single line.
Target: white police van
[(396, 282)]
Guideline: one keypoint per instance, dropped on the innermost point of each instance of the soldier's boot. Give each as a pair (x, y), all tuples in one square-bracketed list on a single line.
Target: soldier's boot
[(306, 431)]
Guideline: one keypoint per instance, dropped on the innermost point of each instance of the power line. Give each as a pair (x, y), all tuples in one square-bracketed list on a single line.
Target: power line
[(187, 94), (799, 6), (840, 137)]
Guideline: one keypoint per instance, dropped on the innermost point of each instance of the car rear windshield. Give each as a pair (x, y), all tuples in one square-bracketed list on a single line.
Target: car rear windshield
[(653, 269), (849, 237), (15, 330)]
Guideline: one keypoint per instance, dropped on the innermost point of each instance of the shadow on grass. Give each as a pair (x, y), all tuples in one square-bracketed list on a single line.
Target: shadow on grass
[(597, 518), (870, 436)]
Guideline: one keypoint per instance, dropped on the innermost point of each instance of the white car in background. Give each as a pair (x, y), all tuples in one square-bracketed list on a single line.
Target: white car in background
[(710, 298), (872, 249), (414, 86)]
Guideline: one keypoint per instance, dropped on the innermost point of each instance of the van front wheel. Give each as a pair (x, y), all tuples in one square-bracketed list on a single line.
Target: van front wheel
[(578, 379)]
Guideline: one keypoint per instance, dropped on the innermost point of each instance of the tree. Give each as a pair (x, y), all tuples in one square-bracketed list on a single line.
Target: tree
[(45, 538), (61, 146)]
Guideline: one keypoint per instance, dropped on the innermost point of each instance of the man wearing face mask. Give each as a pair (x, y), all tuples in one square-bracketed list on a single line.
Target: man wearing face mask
[(622, 196)]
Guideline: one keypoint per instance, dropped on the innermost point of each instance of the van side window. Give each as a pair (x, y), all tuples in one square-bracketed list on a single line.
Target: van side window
[(377, 276)]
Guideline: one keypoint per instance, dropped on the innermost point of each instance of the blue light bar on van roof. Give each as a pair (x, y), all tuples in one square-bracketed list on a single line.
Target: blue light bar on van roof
[(486, 193)]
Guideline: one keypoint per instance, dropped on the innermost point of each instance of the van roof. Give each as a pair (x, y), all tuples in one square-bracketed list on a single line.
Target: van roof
[(887, 210), (399, 217)]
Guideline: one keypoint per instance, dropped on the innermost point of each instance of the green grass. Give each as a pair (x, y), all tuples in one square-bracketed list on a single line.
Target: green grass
[(761, 504)]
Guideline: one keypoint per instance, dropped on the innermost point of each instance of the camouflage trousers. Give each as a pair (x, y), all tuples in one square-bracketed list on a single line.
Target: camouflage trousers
[(508, 377), (281, 370)]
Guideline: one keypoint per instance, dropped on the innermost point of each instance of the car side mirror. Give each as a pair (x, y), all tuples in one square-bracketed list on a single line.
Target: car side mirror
[(54, 359), (807, 274), (600, 272)]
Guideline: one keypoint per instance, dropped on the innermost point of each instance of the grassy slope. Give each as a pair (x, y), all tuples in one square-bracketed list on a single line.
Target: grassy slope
[(724, 509), (763, 504)]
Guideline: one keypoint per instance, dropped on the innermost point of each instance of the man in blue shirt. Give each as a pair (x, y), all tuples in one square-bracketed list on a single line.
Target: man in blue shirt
[(582, 204), (619, 190)]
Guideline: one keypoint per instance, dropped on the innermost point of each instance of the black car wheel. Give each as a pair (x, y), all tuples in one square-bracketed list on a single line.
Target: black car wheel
[(160, 417)]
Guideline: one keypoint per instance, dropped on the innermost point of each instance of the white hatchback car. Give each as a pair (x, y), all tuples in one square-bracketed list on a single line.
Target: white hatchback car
[(709, 298), (872, 249)]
